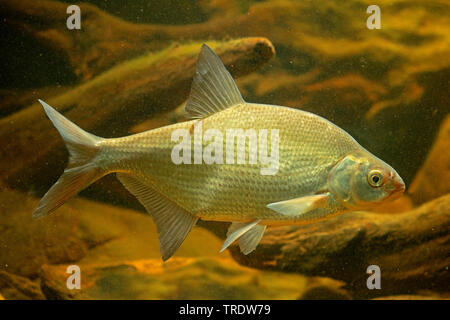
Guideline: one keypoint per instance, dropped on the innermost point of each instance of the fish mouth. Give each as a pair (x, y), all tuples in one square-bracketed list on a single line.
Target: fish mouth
[(397, 192), (399, 187)]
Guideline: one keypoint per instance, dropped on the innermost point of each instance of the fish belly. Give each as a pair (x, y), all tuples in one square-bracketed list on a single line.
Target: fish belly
[(309, 146)]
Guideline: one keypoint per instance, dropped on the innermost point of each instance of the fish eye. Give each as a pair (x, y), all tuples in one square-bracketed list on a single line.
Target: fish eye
[(375, 178)]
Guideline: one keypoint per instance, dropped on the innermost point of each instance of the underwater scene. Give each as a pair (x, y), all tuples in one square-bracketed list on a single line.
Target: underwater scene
[(225, 149)]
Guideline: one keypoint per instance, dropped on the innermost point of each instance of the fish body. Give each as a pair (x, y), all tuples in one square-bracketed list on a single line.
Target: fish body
[(237, 192), (250, 164)]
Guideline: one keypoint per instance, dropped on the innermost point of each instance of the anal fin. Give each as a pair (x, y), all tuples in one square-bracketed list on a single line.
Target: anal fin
[(173, 222)]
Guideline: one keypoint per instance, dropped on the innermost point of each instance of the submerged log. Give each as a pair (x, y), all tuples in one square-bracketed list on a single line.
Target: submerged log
[(177, 278), (15, 287), (411, 249), (433, 179), (109, 104), (103, 40), (362, 81)]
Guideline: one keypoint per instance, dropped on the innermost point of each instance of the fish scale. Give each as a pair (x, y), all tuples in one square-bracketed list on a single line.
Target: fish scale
[(319, 170), (237, 192)]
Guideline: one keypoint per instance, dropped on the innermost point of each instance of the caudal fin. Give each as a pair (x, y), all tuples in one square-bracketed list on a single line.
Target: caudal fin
[(81, 171)]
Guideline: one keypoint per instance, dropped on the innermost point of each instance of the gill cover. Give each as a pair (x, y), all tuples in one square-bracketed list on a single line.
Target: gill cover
[(349, 180)]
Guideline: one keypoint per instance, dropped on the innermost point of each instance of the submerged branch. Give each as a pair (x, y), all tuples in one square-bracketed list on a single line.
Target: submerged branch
[(109, 104), (103, 40), (410, 248)]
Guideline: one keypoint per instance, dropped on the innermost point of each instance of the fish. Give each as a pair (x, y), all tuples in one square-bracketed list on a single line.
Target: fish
[(320, 170)]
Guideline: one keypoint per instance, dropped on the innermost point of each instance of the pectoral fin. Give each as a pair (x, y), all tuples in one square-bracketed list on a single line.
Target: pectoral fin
[(299, 206)]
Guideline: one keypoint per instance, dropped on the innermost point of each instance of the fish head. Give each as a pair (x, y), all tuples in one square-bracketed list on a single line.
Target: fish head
[(362, 181)]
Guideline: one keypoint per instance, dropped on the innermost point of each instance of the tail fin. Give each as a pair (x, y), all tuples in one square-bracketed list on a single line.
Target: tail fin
[(81, 171)]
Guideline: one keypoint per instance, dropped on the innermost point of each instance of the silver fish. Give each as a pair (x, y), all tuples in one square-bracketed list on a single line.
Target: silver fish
[(321, 171)]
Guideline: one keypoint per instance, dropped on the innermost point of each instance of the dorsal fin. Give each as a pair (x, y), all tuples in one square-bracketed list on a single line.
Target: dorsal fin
[(213, 88)]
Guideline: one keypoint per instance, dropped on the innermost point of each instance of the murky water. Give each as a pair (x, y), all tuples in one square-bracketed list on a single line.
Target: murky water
[(381, 73)]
